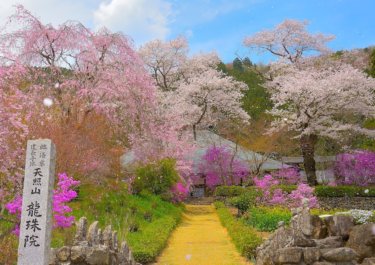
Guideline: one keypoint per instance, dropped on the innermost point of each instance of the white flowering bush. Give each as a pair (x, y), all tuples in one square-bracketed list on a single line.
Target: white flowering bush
[(362, 216)]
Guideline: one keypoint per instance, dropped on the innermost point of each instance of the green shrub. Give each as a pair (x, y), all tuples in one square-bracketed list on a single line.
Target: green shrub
[(229, 191), (267, 218), (244, 202), (344, 191), (245, 238), (156, 178)]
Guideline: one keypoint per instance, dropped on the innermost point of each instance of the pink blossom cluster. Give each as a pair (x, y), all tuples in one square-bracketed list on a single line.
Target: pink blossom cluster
[(63, 194), (220, 167), (180, 192), (279, 197), (287, 175), (357, 168), (303, 192)]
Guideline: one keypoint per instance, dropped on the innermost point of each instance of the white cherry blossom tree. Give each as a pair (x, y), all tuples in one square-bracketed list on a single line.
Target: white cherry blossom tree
[(315, 101), (289, 40), (193, 88)]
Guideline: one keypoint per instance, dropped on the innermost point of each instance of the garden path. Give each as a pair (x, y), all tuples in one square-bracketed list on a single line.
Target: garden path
[(200, 239)]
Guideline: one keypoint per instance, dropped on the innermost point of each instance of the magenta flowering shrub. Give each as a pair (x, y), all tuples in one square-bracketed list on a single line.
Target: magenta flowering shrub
[(220, 168), (266, 182), (269, 197), (303, 192), (357, 168), (63, 194), (279, 197), (179, 192), (287, 175)]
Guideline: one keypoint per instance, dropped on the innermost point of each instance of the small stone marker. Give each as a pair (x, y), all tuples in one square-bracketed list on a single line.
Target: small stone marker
[(36, 218)]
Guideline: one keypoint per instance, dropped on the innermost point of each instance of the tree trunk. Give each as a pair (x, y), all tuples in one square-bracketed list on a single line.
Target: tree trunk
[(308, 149)]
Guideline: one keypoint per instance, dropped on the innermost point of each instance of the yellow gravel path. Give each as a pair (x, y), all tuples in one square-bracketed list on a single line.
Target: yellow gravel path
[(200, 239)]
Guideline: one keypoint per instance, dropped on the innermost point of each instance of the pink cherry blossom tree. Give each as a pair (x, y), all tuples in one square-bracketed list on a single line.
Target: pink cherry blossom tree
[(193, 88), (314, 100), (13, 131), (76, 72), (70, 63), (164, 60)]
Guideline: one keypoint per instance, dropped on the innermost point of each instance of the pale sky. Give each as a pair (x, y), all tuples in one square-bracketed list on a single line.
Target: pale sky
[(218, 25)]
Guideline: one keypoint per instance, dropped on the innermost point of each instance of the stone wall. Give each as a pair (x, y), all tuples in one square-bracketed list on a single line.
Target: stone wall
[(319, 241), (92, 246), (363, 203)]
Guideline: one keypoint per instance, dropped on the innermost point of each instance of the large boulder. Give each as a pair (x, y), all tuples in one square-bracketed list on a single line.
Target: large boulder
[(340, 255), (63, 253), (311, 255), (78, 254), (310, 226), (339, 225), (52, 257), (369, 261), (98, 255), (281, 238), (362, 240), (330, 242), (292, 255)]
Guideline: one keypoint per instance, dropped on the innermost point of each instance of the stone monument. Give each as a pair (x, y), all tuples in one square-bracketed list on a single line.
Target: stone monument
[(36, 218)]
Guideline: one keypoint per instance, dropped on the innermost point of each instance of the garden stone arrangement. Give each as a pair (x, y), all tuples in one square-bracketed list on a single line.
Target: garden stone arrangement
[(92, 246), (320, 241)]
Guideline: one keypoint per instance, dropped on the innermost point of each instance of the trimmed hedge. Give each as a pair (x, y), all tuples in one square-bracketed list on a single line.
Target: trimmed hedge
[(148, 243), (344, 191), (320, 191), (230, 191), (233, 191), (245, 238)]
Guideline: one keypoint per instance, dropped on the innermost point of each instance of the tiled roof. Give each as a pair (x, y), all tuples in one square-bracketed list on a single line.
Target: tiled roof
[(206, 139)]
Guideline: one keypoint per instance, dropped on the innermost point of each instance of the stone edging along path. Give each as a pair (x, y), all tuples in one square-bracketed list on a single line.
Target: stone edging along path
[(200, 239)]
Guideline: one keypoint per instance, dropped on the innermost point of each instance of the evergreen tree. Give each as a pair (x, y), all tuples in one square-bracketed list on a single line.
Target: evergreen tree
[(237, 65), (371, 69), (247, 62)]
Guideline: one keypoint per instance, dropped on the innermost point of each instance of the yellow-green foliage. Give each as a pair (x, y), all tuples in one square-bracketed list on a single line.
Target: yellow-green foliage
[(267, 218)]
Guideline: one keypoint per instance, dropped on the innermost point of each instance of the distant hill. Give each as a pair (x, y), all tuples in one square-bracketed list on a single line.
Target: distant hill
[(256, 102)]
